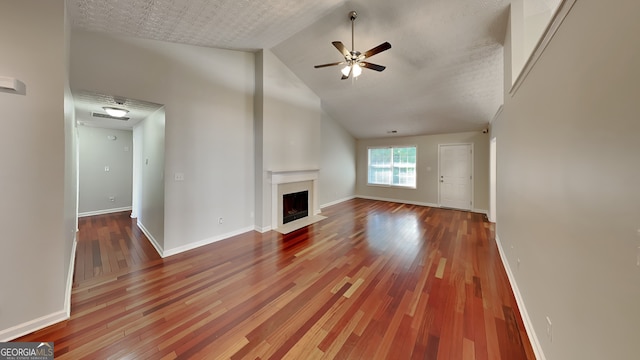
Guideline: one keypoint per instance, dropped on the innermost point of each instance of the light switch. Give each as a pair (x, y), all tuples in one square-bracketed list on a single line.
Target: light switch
[(106, 168), (126, 148)]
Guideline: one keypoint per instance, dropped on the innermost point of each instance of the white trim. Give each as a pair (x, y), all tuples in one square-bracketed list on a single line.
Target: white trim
[(47, 320), (152, 240), (493, 175), (204, 242), (398, 201), (558, 17), (481, 211), (262, 230), (337, 201), (32, 326), (497, 114), (277, 177), (472, 181), (72, 264), (105, 211), (533, 338), (392, 185)]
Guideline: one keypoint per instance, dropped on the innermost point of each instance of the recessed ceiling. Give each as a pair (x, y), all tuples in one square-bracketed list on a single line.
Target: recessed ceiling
[(444, 70), (87, 103)]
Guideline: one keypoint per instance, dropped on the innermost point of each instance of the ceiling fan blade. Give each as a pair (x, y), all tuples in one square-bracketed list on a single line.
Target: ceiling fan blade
[(378, 49), (331, 64), (347, 76), (340, 46), (371, 66)]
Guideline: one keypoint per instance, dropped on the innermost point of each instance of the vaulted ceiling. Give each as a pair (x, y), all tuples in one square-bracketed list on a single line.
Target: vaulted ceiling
[(444, 70)]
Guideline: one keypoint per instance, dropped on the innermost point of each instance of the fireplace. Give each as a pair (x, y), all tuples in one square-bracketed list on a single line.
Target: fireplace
[(295, 206), (286, 182)]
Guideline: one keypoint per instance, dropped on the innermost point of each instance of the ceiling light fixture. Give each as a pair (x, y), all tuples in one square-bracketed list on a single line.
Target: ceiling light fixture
[(357, 70), (115, 112), (354, 60)]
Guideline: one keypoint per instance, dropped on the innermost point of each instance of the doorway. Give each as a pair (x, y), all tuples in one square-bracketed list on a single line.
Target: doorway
[(455, 176)]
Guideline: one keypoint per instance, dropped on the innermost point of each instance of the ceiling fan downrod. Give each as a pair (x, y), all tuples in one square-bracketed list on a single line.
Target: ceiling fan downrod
[(353, 16)]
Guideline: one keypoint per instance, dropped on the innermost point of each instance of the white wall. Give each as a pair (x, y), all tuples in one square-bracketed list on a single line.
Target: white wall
[(528, 21), (208, 98), (568, 185), (38, 228), (150, 152), (426, 191), (96, 184), (337, 178), (290, 125), (70, 172), (292, 117)]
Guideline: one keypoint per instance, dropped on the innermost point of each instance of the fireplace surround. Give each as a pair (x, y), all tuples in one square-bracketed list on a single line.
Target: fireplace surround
[(291, 181)]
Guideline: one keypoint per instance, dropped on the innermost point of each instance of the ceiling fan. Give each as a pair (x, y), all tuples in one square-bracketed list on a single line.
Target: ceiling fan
[(354, 59)]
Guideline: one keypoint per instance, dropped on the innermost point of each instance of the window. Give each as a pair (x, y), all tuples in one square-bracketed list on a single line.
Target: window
[(392, 166)]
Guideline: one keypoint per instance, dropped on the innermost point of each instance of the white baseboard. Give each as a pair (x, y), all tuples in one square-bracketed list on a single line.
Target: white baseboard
[(533, 338), (262, 230), (152, 240), (72, 264), (47, 320), (105, 211), (208, 241), (398, 201), (337, 201), (481, 211), (33, 325)]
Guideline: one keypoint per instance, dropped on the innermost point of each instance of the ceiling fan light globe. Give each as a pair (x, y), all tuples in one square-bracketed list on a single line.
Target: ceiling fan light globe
[(345, 70), (357, 70)]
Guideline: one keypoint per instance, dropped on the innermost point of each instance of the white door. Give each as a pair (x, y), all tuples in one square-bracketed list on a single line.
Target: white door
[(456, 164)]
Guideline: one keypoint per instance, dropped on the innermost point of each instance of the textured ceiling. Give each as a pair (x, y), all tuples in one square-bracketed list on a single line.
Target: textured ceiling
[(444, 71)]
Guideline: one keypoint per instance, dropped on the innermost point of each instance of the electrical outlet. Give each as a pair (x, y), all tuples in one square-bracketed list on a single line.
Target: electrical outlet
[(549, 329), (219, 220), (112, 198)]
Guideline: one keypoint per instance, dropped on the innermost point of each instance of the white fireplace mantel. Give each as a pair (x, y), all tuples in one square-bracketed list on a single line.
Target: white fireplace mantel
[(288, 176), (277, 177)]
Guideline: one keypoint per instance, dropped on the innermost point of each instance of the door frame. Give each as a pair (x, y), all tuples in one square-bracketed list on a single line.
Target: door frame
[(493, 175), (471, 181)]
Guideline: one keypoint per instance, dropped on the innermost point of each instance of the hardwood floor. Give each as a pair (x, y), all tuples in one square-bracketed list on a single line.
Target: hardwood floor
[(375, 280), (109, 244)]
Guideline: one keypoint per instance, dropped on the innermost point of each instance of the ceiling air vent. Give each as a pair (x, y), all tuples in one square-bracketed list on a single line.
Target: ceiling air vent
[(106, 116)]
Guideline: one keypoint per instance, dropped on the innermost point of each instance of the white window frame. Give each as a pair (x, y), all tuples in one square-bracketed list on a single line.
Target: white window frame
[(393, 185)]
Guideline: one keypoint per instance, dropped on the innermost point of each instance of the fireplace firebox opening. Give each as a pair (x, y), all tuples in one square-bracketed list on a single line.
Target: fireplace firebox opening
[(295, 206)]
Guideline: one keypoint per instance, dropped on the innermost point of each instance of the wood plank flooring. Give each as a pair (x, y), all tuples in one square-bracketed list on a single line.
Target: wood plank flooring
[(109, 244), (375, 280)]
